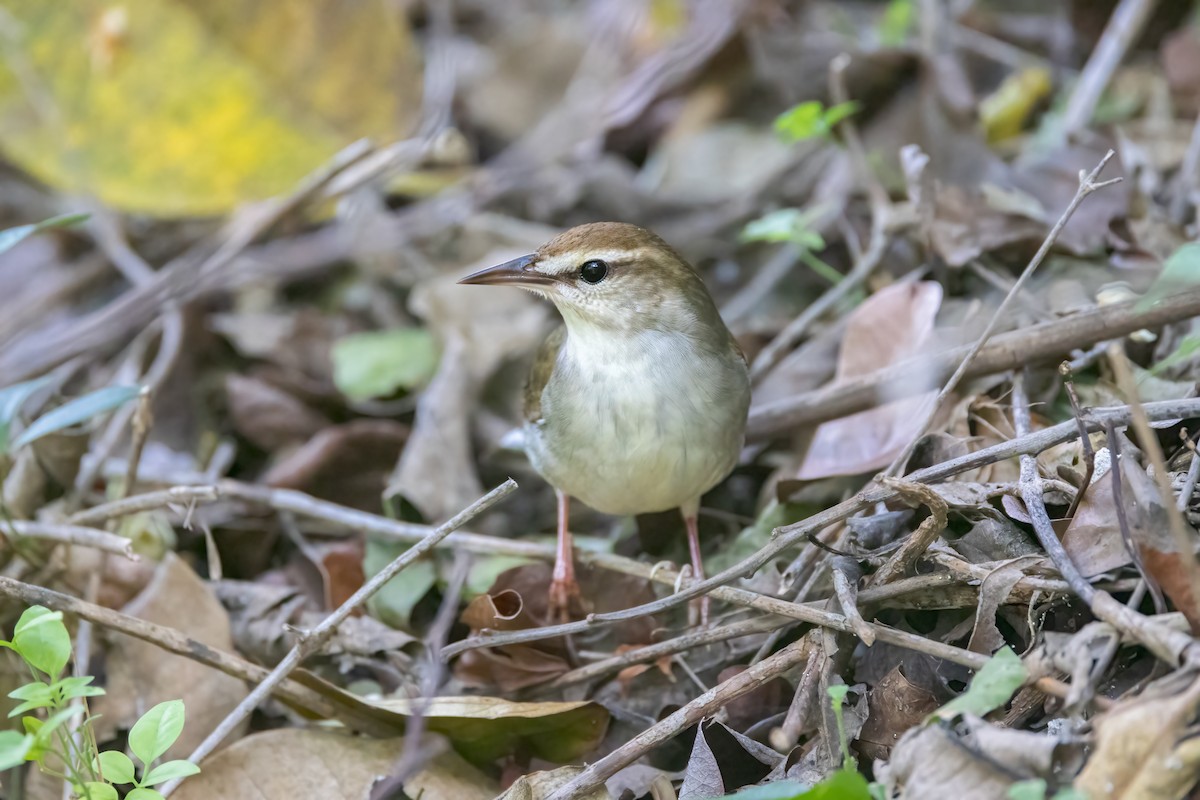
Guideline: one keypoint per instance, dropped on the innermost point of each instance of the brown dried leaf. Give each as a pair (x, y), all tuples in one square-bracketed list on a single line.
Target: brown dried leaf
[(889, 327), (1145, 749), (513, 666), (540, 785), (141, 675), (895, 706), (268, 417), (346, 464), (291, 763)]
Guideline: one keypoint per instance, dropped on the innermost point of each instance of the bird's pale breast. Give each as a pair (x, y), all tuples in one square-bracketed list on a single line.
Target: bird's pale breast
[(639, 422)]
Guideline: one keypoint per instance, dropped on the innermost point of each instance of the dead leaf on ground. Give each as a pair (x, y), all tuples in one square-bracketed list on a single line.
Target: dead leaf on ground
[(267, 416), (891, 326), (141, 675), (724, 761), (895, 705), (1145, 748), (293, 763), (345, 464), (485, 728), (513, 666), (539, 785)]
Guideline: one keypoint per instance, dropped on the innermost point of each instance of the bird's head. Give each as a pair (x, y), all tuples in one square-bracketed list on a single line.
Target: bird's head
[(611, 276)]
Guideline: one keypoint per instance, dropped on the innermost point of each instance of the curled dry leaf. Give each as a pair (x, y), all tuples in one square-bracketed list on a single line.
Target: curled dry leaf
[(483, 729), (888, 328), (269, 417), (141, 675), (513, 666), (895, 705), (292, 763)]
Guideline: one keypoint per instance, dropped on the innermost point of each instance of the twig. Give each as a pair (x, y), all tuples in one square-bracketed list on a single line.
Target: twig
[(881, 214), (1118, 492), (74, 534), (652, 652), (144, 502), (1176, 524), (797, 533), (761, 284), (1189, 483), (1085, 442), (1007, 351), (784, 737), (1087, 185), (926, 533), (1189, 176), (1170, 646), (143, 419), (1124, 27), (670, 727), (315, 638), (846, 574)]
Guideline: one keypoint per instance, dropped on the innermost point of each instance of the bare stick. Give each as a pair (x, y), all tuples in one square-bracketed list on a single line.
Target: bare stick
[(315, 638), (144, 502), (670, 727), (1189, 483), (846, 574), (1087, 185), (74, 534), (1176, 524), (1007, 351), (1170, 646), (1085, 442), (1124, 27), (926, 533)]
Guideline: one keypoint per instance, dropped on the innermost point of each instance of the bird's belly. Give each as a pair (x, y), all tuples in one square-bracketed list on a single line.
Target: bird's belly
[(625, 451)]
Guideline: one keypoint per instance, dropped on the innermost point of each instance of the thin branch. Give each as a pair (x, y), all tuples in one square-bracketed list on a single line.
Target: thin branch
[(1006, 352), (74, 534), (314, 639), (846, 574), (144, 502), (1087, 185), (1123, 29), (719, 696), (926, 533)]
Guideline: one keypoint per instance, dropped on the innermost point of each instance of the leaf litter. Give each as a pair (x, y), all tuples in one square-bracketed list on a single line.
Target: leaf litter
[(1021, 630)]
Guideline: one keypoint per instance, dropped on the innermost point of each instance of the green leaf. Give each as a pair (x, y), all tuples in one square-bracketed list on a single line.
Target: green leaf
[(142, 793), (787, 225), (98, 790), (116, 767), (75, 411), (35, 694), (43, 733), (169, 771), (1180, 271), (1027, 790), (12, 398), (13, 749), (395, 600), (845, 784), (156, 731), (14, 236), (991, 688), (1185, 350), (72, 687), (896, 22), (811, 119), (378, 363), (42, 639)]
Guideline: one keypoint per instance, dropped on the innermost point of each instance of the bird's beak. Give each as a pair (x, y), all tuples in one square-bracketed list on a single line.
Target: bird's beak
[(517, 272)]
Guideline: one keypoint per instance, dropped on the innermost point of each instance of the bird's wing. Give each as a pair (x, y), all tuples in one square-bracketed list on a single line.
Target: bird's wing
[(540, 372)]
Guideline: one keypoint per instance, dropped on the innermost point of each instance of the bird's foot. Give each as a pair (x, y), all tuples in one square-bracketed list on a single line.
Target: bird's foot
[(564, 595)]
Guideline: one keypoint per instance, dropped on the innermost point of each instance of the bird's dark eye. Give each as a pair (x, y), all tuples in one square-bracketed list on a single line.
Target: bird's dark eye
[(593, 271)]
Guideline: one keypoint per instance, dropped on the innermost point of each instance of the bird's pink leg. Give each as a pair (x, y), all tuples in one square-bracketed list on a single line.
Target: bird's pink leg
[(563, 586), (690, 512)]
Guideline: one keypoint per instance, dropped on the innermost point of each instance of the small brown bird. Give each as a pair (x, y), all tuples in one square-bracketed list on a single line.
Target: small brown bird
[(638, 402)]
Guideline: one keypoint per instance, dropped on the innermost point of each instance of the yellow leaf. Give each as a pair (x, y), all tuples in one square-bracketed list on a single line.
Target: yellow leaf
[(189, 107)]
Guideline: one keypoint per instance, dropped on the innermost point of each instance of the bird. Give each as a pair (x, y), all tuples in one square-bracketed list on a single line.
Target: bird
[(637, 402)]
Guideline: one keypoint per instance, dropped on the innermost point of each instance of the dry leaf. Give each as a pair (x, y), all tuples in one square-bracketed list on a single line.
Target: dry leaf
[(141, 675), (891, 326), (291, 763), (539, 785)]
